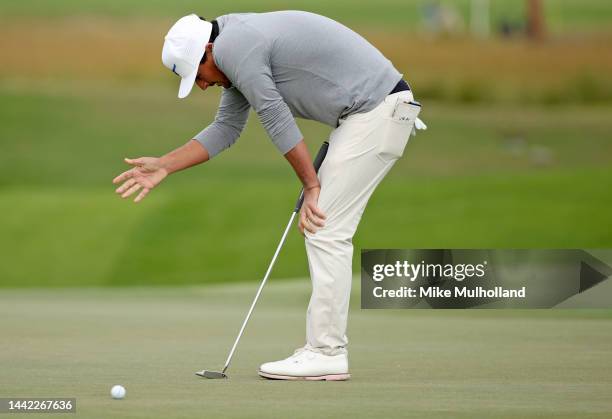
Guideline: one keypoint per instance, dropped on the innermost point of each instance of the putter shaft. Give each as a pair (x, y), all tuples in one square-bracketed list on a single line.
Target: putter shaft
[(248, 316), (214, 374)]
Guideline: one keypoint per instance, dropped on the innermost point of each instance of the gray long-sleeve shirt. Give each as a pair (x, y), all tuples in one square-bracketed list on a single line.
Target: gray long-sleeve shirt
[(292, 64)]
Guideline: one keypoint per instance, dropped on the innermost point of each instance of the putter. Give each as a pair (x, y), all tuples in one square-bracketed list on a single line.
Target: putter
[(221, 374)]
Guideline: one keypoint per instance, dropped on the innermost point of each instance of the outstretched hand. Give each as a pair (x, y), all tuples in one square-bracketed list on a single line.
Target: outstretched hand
[(146, 174), (311, 217)]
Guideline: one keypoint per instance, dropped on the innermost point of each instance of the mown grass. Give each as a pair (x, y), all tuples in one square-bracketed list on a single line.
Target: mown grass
[(77, 135), (437, 363), (498, 167), (227, 231), (477, 178)]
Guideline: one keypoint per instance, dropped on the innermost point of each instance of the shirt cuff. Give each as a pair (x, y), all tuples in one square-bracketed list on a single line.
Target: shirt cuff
[(214, 139), (288, 138)]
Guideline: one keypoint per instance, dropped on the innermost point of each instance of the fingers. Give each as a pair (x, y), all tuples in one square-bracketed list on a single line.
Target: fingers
[(127, 184), (306, 225), (132, 181), (309, 221), (142, 194), (302, 222), (123, 176), (128, 173), (317, 212), (130, 191), (134, 162), (314, 217), (131, 186)]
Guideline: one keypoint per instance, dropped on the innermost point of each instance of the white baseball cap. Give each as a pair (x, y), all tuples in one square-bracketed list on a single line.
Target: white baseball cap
[(184, 48)]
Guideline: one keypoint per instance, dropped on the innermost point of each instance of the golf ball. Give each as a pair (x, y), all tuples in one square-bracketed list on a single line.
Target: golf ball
[(118, 392)]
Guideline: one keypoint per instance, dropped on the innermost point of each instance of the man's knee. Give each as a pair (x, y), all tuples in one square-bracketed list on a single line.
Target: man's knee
[(329, 238)]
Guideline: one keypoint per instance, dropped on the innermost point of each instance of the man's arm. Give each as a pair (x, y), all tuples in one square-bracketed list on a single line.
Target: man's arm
[(253, 77), (229, 122), (248, 66), (300, 160), (148, 172), (188, 155), (311, 217)]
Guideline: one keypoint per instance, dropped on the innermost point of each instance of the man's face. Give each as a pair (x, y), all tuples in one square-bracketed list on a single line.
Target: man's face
[(209, 74)]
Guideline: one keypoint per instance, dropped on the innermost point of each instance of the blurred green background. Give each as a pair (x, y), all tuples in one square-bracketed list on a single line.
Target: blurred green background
[(518, 151)]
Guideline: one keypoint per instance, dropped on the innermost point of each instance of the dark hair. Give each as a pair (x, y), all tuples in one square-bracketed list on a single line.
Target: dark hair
[(213, 35)]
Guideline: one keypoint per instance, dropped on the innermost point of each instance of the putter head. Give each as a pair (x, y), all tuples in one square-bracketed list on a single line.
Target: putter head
[(211, 374)]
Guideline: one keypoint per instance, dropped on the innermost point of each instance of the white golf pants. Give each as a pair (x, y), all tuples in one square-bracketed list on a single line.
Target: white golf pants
[(361, 152)]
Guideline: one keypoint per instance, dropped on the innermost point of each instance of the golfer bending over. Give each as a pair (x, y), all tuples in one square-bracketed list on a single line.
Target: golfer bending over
[(284, 65)]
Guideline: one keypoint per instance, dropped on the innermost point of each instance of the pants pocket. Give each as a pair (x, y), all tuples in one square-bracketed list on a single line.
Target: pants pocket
[(396, 130), (394, 139)]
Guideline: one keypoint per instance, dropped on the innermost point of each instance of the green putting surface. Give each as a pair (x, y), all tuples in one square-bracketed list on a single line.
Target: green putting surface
[(425, 363)]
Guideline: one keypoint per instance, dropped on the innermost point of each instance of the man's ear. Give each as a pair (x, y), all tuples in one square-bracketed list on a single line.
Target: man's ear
[(208, 48)]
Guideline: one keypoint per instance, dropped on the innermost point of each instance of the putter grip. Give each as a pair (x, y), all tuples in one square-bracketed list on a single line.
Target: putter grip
[(317, 164)]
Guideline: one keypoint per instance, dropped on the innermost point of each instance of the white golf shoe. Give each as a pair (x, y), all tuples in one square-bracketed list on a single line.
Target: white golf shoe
[(305, 364)]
